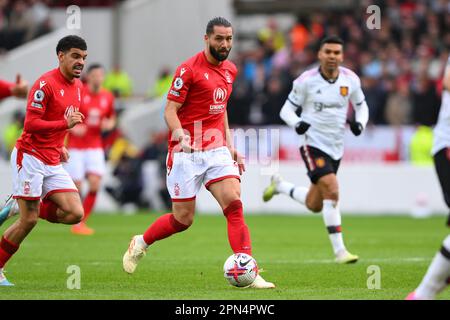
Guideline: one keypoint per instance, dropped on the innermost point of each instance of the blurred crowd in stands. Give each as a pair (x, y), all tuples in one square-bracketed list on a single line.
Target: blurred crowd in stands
[(22, 21), (401, 64), (25, 20)]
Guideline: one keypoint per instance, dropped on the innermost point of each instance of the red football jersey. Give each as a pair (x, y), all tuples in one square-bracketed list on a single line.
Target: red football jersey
[(5, 88), (51, 100), (204, 90), (95, 107)]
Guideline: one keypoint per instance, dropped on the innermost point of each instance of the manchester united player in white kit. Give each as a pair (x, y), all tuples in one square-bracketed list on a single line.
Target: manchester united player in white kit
[(323, 94), (200, 150), (437, 277), (87, 157), (52, 108)]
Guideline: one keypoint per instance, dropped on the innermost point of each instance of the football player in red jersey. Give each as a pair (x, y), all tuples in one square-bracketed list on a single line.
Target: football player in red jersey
[(18, 89), (87, 157), (41, 186), (200, 147)]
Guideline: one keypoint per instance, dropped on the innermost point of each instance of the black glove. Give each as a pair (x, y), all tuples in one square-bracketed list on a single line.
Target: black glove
[(356, 128), (302, 127)]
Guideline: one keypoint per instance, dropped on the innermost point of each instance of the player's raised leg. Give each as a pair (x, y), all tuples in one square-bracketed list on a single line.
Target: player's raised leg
[(227, 193), (165, 226), (329, 188), (279, 185), (437, 276)]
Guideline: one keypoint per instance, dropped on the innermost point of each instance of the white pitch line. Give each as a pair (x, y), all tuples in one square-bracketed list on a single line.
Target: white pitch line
[(364, 260)]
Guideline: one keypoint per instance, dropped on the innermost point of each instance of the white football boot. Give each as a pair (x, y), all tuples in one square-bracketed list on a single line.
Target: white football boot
[(136, 250), (260, 283)]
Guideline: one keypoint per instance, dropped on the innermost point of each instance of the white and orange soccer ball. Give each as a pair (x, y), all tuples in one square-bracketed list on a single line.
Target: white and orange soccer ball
[(240, 270)]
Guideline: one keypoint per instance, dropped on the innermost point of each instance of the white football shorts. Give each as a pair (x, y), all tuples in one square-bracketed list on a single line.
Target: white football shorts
[(85, 161), (33, 180), (186, 172)]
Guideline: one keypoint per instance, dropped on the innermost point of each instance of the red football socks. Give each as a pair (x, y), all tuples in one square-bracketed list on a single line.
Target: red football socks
[(7, 249), (47, 211), (88, 204), (238, 234), (163, 227)]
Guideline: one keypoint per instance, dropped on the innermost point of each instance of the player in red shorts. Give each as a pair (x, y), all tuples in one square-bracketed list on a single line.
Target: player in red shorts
[(41, 186), (200, 150), (19, 89), (87, 157)]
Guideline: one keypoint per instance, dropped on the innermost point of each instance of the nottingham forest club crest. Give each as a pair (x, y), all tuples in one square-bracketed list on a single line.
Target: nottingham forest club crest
[(343, 91)]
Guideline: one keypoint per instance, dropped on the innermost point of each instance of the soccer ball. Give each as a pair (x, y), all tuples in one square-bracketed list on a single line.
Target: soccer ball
[(240, 269)]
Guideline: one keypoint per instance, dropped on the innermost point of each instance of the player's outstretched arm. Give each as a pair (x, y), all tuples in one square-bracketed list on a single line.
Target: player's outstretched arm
[(20, 88)]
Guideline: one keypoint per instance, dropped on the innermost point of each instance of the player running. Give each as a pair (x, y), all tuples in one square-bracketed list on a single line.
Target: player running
[(87, 157), (200, 150), (41, 186), (323, 93), (438, 275)]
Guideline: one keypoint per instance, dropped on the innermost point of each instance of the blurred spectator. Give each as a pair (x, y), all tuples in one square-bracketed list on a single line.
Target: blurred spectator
[(376, 96), (162, 84), (241, 99), (13, 131), (274, 100), (398, 106), (271, 37), (425, 102), (299, 34), (156, 150), (420, 148), (118, 82), (128, 171)]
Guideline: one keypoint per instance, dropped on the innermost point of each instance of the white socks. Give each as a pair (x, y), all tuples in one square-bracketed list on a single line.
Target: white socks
[(435, 279), (140, 240), (332, 219), (296, 193), (331, 213)]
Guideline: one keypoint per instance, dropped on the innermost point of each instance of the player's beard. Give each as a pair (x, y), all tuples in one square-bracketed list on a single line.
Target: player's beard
[(217, 55)]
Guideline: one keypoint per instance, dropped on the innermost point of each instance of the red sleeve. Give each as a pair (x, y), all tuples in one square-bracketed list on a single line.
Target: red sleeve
[(180, 84), (37, 103), (34, 124), (5, 88)]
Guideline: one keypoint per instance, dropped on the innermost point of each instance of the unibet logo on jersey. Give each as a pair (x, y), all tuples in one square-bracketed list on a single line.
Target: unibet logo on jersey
[(219, 97)]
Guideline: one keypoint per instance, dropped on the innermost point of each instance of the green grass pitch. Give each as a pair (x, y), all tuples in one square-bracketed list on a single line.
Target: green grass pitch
[(294, 252)]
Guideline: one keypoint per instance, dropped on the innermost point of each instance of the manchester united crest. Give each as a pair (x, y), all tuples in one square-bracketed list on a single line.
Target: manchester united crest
[(343, 90), (320, 162)]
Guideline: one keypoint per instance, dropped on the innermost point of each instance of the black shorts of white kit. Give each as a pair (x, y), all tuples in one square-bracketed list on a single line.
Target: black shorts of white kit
[(442, 165), (318, 163)]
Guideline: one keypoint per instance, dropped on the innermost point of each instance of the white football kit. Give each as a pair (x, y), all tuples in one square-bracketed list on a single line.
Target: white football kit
[(442, 129), (324, 106)]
